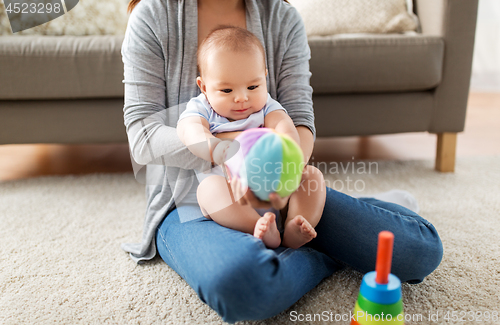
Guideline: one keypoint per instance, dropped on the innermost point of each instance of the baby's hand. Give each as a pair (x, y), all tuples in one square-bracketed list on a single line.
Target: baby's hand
[(244, 196), (219, 152)]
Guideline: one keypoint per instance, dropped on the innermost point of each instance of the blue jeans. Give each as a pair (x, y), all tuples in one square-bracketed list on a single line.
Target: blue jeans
[(237, 276)]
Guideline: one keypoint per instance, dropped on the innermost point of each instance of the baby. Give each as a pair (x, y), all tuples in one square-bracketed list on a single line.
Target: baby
[(234, 97)]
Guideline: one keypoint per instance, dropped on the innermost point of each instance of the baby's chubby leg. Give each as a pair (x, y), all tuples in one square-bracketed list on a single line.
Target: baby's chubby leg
[(305, 209), (216, 204)]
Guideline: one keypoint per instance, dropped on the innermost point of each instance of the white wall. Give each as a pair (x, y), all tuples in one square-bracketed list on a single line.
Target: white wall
[(486, 62)]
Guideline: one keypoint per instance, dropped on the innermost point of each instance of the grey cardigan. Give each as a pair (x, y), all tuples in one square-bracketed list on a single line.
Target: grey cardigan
[(159, 56)]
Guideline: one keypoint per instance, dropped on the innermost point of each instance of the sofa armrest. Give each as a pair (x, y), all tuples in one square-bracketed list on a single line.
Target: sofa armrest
[(455, 21)]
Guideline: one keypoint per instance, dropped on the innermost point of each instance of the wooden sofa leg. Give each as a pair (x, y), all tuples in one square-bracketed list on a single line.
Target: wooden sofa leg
[(446, 151)]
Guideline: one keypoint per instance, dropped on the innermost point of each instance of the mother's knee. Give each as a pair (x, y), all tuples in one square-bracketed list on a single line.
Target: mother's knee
[(425, 258), (434, 251), (243, 288)]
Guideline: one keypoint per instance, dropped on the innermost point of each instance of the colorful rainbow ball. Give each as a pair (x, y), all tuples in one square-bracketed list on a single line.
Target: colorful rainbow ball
[(266, 162)]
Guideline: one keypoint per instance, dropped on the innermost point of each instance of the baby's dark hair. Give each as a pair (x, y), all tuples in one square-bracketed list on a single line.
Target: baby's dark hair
[(229, 38)]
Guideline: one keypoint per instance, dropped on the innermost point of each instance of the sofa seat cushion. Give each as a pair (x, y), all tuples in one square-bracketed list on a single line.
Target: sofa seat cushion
[(60, 67), (63, 67), (375, 63)]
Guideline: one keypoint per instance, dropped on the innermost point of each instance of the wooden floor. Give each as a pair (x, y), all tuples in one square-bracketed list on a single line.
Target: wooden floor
[(481, 137)]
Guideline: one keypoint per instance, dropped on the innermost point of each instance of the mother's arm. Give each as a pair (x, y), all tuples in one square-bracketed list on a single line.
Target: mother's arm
[(149, 123), (294, 91), (306, 141)]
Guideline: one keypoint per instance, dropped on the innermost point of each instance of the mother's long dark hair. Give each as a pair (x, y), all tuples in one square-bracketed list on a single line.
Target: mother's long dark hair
[(134, 3)]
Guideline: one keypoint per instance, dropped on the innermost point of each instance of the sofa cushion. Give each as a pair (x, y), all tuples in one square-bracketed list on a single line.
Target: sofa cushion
[(89, 17), (329, 17), (49, 67), (375, 63)]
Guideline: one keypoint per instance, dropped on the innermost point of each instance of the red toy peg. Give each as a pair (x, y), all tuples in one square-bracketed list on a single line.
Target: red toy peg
[(384, 257)]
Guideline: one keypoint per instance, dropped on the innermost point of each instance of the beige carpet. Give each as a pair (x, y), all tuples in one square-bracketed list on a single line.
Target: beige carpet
[(60, 261)]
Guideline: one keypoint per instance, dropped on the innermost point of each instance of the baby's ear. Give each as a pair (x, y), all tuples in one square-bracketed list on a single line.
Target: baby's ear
[(266, 72), (201, 85)]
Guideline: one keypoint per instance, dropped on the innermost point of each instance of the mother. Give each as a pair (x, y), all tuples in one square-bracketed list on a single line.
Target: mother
[(231, 271)]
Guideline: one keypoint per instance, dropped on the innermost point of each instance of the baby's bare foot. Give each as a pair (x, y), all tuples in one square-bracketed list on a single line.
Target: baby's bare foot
[(266, 229), (298, 232)]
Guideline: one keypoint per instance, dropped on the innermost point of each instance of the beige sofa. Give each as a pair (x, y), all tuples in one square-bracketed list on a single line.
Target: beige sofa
[(69, 89)]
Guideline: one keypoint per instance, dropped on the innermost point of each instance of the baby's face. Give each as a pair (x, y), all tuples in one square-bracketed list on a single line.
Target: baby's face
[(234, 83)]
